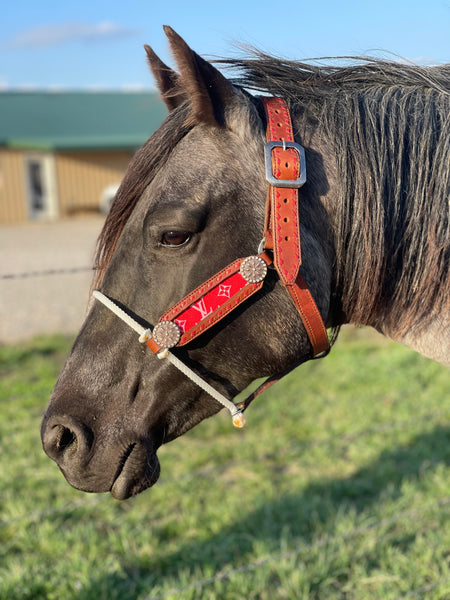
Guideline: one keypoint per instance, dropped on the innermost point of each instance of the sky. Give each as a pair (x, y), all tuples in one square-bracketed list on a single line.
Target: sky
[(98, 44)]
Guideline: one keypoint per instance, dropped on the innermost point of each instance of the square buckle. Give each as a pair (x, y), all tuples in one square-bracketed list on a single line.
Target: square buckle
[(284, 183)]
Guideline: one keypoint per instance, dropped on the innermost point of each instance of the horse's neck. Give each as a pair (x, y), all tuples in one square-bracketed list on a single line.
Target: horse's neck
[(432, 341)]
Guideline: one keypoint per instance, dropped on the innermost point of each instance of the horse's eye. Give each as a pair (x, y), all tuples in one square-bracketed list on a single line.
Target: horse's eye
[(172, 239)]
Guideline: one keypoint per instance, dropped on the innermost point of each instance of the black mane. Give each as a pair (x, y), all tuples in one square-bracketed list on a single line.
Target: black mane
[(319, 78), (388, 125)]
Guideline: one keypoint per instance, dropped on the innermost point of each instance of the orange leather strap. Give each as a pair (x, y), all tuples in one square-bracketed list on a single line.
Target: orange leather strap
[(282, 206), (286, 172)]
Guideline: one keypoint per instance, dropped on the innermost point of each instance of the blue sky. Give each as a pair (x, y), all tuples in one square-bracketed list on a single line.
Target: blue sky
[(98, 44)]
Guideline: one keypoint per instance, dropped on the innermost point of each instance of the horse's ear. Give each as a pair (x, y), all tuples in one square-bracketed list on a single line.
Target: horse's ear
[(207, 90), (166, 79)]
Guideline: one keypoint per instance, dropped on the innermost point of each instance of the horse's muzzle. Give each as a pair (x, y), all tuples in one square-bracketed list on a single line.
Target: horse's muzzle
[(90, 466)]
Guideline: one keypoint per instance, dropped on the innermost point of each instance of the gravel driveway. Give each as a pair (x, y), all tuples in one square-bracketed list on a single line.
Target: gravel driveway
[(45, 303)]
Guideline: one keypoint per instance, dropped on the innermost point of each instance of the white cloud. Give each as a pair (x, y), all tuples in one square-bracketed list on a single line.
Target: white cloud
[(54, 35)]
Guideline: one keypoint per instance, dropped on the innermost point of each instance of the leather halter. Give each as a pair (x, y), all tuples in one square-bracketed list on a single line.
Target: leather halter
[(218, 296), (226, 290)]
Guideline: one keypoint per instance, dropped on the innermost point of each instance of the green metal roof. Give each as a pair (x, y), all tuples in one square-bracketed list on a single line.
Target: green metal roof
[(78, 120)]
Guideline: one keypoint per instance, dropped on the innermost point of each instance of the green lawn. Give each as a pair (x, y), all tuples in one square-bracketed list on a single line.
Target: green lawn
[(338, 487)]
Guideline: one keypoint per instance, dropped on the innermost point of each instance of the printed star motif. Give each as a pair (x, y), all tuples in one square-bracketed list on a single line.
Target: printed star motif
[(224, 290)]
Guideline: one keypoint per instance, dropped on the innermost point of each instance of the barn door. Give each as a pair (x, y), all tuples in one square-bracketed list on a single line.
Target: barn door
[(41, 187)]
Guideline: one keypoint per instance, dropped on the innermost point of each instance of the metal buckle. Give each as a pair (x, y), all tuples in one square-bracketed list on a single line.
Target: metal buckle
[(285, 183)]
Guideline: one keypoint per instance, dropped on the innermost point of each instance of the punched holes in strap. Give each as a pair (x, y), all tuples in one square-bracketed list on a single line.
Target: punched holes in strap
[(285, 160)]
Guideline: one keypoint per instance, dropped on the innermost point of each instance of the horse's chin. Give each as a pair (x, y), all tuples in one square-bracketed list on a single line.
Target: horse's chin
[(139, 470)]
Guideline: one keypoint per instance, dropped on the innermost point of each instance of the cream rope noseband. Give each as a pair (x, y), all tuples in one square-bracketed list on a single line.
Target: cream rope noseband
[(145, 334)]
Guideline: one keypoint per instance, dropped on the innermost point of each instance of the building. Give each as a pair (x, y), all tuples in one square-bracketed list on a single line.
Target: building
[(64, 153)]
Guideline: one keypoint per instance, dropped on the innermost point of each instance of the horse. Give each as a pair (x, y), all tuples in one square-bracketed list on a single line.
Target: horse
[(373, 220)]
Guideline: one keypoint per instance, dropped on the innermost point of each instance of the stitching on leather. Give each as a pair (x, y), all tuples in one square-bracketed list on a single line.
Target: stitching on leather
[(201, 290), (220, 312)]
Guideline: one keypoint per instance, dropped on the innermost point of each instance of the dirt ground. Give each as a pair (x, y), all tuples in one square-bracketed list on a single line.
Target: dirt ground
[(33, 301)]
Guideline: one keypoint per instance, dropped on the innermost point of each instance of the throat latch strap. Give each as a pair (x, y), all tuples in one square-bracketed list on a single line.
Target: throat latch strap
[(285, 173)]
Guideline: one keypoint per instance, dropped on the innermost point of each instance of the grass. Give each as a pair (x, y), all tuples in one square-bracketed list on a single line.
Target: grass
[(338, 488)]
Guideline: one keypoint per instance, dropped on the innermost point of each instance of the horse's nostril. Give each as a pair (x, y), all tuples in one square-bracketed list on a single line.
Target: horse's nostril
[(66, 438)]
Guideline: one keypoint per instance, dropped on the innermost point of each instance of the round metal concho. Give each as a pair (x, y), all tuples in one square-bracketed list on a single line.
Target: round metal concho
[(253, 269), (166, 334)]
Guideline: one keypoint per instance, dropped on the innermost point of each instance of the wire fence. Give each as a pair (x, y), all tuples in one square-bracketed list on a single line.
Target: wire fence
[(48, 300), (45, 273)]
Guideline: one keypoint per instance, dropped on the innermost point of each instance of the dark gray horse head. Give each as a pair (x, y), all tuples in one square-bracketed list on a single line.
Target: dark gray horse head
[(191, 202), (375, 233)]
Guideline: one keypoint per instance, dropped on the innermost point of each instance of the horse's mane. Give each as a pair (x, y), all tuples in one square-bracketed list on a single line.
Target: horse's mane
[(388, 124)]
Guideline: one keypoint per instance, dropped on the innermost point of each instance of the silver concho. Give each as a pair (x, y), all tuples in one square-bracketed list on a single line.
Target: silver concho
[(166, 334), (253, 269)]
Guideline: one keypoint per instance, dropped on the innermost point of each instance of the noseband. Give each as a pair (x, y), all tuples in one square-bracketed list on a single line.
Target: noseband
[(280, 247)]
